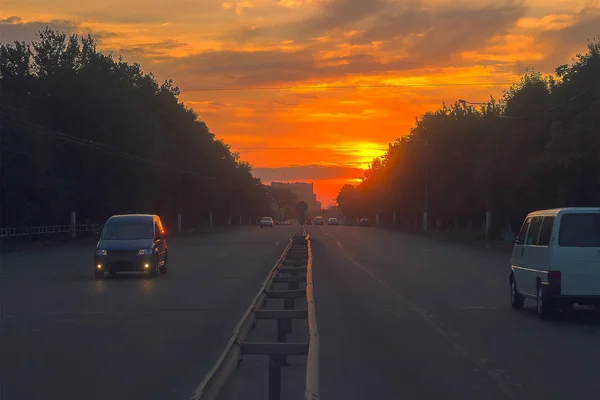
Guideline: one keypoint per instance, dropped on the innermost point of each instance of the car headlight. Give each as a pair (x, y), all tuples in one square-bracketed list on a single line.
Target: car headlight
[(144, 252), (101, 252)]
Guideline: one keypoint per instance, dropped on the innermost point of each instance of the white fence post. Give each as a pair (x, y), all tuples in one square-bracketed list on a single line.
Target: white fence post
[(73, 224)]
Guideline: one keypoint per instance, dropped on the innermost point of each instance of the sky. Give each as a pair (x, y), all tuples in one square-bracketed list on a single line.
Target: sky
[(312, 90)]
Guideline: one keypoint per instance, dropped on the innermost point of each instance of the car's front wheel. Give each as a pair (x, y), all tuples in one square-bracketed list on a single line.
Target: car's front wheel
[(163, 268)]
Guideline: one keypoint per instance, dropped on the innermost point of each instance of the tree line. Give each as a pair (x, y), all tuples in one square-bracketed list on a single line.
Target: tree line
[(82, 131), (536, 147)]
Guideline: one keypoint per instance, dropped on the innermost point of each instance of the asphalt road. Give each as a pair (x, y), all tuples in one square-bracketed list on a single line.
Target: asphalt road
[(407, 317), (64, 335)]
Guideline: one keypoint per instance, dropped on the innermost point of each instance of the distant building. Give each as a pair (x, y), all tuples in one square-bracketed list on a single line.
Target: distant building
[(304, 191)]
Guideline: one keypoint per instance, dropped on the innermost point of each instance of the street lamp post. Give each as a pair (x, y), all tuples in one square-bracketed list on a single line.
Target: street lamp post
[(426, 188), (488, 214), (425, 221)]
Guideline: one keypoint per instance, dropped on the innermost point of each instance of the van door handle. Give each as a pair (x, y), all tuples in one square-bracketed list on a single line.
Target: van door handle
[(522, 250)]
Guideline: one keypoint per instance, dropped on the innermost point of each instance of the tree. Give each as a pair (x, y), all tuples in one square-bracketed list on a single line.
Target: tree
[(83, 131)]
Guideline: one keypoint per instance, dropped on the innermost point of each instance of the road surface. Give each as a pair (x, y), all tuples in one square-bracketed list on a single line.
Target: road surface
[(406, 317), (64, 335)]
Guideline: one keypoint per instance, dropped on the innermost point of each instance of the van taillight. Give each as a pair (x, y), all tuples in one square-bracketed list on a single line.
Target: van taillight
[(554, 277)]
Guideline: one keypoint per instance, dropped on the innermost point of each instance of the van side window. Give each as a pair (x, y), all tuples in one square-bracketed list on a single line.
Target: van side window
[(523, 231), (579, 230), (534, 230), (546, 231)]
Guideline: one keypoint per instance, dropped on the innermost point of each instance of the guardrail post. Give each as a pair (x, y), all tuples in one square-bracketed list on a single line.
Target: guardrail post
[(289, 304), (73, 224), (275, 377)]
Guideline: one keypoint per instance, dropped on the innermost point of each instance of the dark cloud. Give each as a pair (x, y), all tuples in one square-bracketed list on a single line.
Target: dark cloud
[(586, 28), (307, 172), (343, 14), (564, 43), (11, 20), (14, 29), (437, 35), (382, 20), (153, 50), (236, 69), (423, 37)]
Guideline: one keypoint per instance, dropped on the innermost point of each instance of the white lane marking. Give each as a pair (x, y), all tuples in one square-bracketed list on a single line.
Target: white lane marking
[(493, 376)]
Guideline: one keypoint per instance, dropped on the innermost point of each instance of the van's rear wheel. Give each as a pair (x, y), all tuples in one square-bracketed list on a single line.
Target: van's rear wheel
[(516, 300), (543, 306)]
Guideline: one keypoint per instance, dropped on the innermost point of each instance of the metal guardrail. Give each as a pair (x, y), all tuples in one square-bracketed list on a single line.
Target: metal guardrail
[(47, 230), (296, 264)]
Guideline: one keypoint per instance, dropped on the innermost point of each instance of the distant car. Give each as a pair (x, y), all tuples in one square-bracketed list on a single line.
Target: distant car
[(364, 222), (267, 221), (332, 221), (318, 220), (131, 243)]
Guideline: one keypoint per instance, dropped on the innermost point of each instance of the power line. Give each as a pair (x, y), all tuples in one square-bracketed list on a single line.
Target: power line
[(541, 113), (296, 148), (391, 86), (99, 146)]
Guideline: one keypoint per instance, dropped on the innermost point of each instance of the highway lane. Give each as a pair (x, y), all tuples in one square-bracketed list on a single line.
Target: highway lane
[(64, 335), (408, 317)]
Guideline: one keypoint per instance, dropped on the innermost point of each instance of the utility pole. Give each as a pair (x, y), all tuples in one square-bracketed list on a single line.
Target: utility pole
[(1, 165), (426, 187)]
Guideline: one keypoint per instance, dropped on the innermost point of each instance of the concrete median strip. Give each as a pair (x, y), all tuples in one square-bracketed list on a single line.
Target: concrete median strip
[(294, 267)]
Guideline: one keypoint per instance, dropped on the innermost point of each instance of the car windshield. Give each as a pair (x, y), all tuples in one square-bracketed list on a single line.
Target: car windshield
[(267, 219), (579, 230), (128, 230)]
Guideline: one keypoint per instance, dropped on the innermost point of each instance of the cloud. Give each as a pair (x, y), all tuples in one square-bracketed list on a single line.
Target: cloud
[(558, 38), (239, 7), (307, 172), (291, 3), (14, 28), (239, 69), (11, 20), (154, 50)]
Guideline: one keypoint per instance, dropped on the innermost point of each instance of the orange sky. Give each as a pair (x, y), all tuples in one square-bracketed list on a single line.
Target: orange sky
[(277, 79)]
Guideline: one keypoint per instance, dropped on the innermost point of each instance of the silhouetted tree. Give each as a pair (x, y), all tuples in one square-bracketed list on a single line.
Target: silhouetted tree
[(537, 147), (84, 131)]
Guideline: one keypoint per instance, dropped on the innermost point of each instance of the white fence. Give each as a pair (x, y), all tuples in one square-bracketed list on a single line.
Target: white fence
[(7, 233)]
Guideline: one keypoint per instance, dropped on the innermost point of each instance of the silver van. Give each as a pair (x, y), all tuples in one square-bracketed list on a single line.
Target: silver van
[(556, 260)]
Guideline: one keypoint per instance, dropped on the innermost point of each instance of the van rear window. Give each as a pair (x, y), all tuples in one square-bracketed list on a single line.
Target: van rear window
[(579, 230)]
